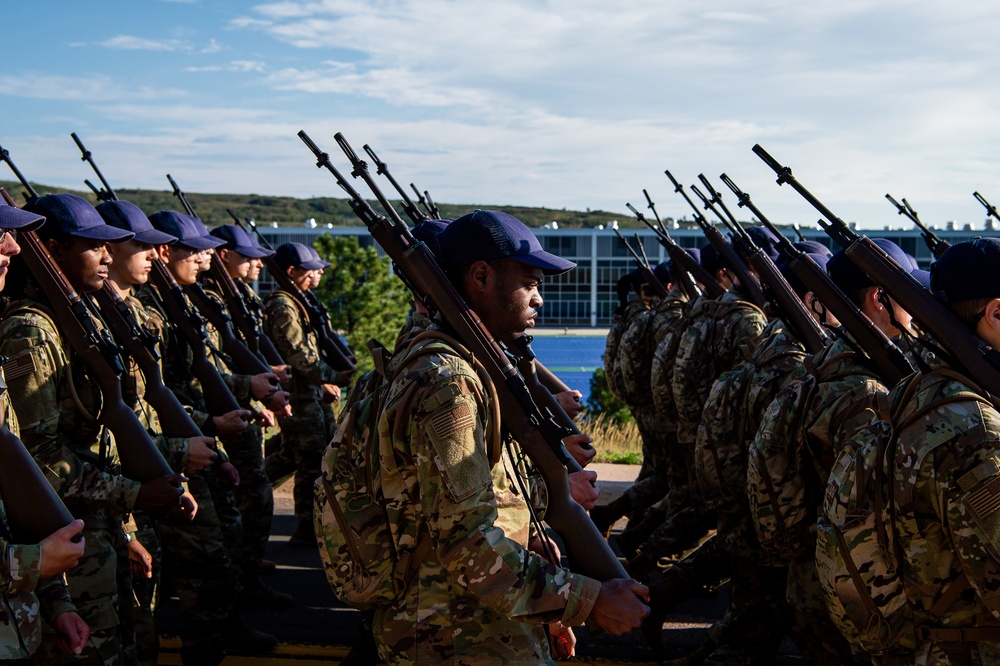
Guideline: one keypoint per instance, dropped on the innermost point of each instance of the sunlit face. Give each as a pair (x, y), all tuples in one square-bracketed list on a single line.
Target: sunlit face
[(237, 265), (315, 277), (254, 271), (8, 248), (84, 262), (183, 263), (302, 277), (132, 261), (509, 302)]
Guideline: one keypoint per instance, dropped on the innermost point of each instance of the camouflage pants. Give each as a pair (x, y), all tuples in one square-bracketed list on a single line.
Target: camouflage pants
[(147, 640), (303, 440), (653, 480), (254, 499), (95, 585), (199, 555)]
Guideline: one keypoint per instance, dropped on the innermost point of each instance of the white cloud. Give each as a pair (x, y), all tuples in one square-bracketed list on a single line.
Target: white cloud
[(133, 43), (234, 66), (212, 47), (84, 89)]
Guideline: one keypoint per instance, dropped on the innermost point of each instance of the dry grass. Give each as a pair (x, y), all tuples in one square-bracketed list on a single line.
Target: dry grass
[(614, 443)]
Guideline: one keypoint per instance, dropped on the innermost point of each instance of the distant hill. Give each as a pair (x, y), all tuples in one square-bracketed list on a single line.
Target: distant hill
[(211, 208)]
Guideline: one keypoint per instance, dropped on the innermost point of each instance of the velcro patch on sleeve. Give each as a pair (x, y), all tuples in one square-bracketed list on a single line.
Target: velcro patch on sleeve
[(19, 366), (448, 422), (985, 500), (459, 452)]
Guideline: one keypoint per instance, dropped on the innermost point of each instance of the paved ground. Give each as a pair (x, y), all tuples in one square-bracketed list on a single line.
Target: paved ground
[(317, 629)]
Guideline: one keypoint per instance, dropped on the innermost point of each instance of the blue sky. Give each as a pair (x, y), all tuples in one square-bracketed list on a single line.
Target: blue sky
[(554, 103)]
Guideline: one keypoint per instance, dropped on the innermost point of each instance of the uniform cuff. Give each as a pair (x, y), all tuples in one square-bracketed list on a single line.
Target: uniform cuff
[(25, 566), (583, 594)]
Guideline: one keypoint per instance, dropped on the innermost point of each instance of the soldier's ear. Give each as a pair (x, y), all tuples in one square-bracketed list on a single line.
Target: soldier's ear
[(989, 326)]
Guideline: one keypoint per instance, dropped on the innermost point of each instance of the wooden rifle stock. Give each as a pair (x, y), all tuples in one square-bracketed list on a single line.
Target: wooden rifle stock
[(888, 360), (246, 362), (34, 510), (962, 345), (538, 434)]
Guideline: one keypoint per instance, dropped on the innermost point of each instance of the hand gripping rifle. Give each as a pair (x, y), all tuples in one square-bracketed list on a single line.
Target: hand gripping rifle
[(966, 349), (887, 360), (334, 350), (793, 312), (539, 435), (140, 459), (721, 245), (936, 245), (244, 352)]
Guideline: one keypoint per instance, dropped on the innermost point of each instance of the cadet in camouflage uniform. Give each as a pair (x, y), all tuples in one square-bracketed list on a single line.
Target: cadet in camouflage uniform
[(206, 572), (479, 596), (304, 433), (623, 315), (840, 403), (55, 404), (254, 496), (31, 581), (947, 470)]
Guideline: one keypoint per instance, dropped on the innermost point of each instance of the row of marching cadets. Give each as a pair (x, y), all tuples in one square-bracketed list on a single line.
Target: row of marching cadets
[(849, 509), (197, 501)]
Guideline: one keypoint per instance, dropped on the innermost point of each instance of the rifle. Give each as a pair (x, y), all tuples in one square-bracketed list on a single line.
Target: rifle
[(685, 265), (798, 231), (793, 311), (647, 272), (888, 360), (966, 349), (991, 211), (382, 169), (245, 353), (140, 459), (335, 351), (539, 435), (421, 200), (435, 213), (935, 244), (106, 194), (34, 510), (721, 246)]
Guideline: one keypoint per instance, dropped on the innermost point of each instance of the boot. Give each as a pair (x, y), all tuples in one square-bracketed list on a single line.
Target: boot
[(258, 595), (304, 535), (696, 658), (606, 515), (244, 639), (670, 591), (266, 567), (641, 566), (633, 538)]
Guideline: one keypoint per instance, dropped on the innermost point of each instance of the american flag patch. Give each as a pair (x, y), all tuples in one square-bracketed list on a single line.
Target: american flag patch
[(457, 418), (20, 366), (986, 500)]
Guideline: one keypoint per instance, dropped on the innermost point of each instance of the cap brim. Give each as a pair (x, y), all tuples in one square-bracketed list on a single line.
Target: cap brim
[(16, 218), (154, 237), (253, 252), (549, 263), (103, 232), (201, 242), (326, 264), (312, 264), (923, 277)]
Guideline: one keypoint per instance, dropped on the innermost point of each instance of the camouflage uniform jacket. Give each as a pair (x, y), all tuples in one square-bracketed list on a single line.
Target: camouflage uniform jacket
[(479, 597), (611, 346), (946, 479), (669, 327), (709, 348), (726, 431), (178, 357), (287, 324), (21, 610), (57, 424)]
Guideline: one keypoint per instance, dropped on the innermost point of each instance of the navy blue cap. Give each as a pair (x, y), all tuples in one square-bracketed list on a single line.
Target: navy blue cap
[(189, 231), (765, 240), (968, 270), (427, 233), (298, 255), (710, 259), (128, 216), (239, 241), (12, 217), (485, 235), (694, 252), (913, 260), (850, 278), (794, 282), (315, 255), (253, 241), (813, 247), (69, 215), (662, 272)]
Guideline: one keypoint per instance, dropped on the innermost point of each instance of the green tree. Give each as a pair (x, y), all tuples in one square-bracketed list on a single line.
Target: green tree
[(602, 401), (366, 300)]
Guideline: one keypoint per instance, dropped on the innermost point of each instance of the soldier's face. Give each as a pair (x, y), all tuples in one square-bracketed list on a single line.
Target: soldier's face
[(183, 263), (315, 277), (132, 261), (254, 271), (8, 248), (237, 265), (511, 298), (302, 277), (84, 261)]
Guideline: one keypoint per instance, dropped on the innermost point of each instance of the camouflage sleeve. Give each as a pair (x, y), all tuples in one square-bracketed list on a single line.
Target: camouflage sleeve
[(20, 566), (687, 387), (53, 598), (239, 386), (850, 407), (458, 500), (290, 336), (34, 395), (174, 450), (744, 327)]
